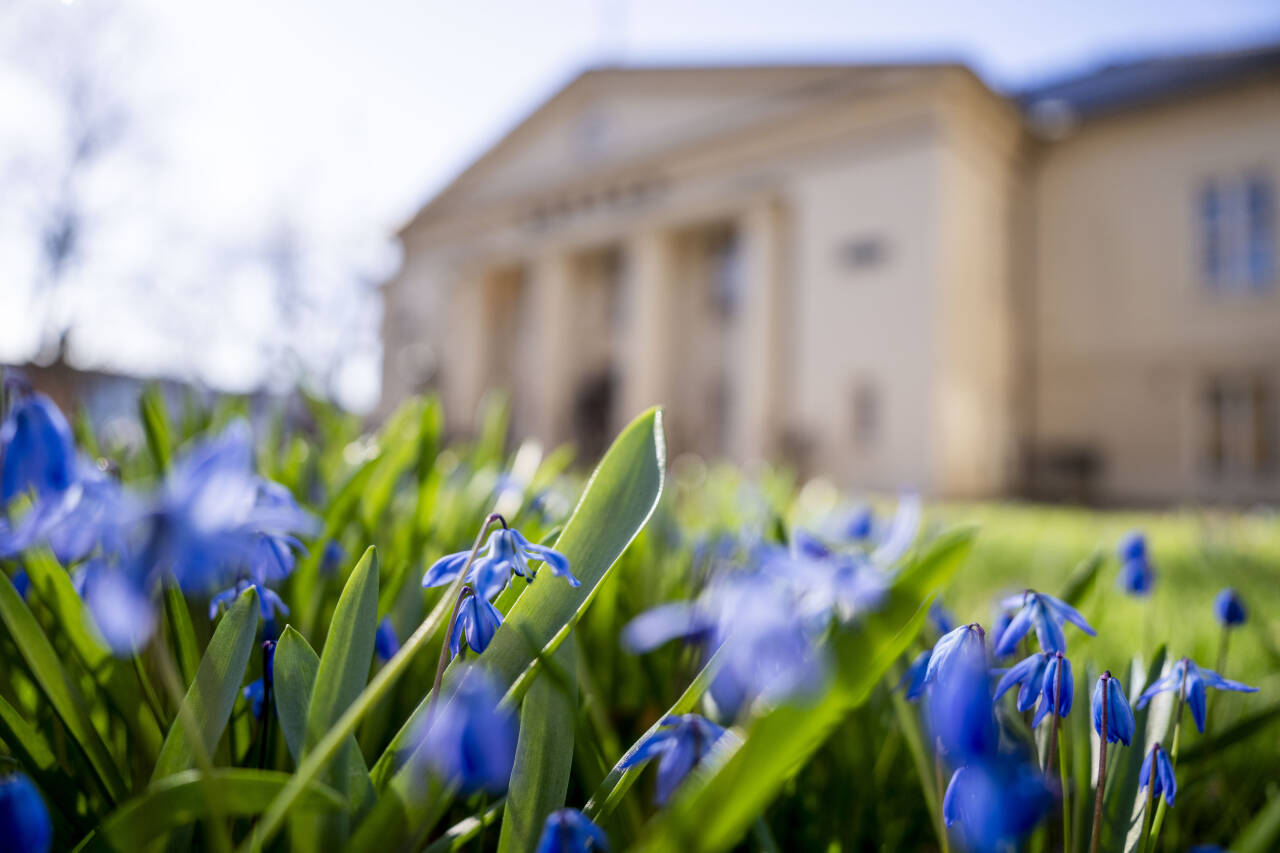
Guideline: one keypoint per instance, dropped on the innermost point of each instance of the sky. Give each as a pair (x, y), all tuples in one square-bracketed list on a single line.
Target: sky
[(336, 120)]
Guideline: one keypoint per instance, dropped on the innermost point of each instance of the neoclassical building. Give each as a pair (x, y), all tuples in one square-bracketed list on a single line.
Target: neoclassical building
[(889, 274)]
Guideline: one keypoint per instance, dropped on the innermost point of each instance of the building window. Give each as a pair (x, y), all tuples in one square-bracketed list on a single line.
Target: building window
[(726, 273), (863, 253), (865, 413), (1240, 425), (1238, 233)]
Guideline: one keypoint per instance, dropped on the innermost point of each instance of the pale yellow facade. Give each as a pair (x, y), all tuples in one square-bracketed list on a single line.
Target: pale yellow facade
[(882, 274)]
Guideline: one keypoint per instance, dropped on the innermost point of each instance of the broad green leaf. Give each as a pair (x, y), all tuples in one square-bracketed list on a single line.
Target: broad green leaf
[(53, 585), (67, 701), (1082, 580), (341, 676), (615, 505), (180, 800), (29, 745), (295, 674), (714, 810), (397, 450), (544, 752), (460, 834), (213, 692)]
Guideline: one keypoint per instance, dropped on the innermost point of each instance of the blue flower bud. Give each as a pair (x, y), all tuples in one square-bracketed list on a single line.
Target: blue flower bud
[(24, 818)]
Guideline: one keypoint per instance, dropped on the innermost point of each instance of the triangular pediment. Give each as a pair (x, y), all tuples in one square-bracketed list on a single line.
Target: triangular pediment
[(610, 117)]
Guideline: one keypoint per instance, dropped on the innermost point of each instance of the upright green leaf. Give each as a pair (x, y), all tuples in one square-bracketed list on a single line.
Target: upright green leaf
[(714, 809), (1263, 832), (182, 634), (295, 669), (544, 752), (213, 692), (155, 423), (66, 700), (340, 677)]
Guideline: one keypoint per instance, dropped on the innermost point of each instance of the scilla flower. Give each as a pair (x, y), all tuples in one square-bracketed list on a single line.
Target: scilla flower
[(965, 645), (1229, 609), (469, 739), (24, 818), (1029, 674), (1119, 717), (913, 679), (505, 553), (681, 742), (36, 450), (385, 642), (859, 525), (1059, 689), (476, 622), (1164, 781), (569, 831), (1190, 681), (1044, 613), (1136, 577), (993, 804), (960, 710)]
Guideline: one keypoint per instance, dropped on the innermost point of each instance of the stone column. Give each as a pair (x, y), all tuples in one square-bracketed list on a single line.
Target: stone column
[(545, 376), (646, 322), (465, 356), (756, 367)]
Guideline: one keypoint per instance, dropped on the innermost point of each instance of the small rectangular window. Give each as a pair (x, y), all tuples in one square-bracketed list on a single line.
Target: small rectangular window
[(1239, 425), (1237, 227)]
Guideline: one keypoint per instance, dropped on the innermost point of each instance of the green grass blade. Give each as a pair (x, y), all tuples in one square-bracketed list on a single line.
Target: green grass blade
[(1262, 835), (714, 810), (46, 668), (213, 692), (544, 752), (182, 633), (155, 423), (180, 800)]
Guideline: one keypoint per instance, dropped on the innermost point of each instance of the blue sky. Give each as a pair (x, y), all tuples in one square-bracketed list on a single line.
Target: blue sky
[(355, 112)]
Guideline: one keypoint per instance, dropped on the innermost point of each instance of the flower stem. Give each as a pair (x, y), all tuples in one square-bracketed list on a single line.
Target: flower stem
[(1146, 811), (1062, 780), (1158, 824), (1102, 774)]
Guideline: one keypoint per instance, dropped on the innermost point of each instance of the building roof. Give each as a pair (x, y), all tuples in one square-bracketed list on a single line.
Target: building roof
[(1125, 85)]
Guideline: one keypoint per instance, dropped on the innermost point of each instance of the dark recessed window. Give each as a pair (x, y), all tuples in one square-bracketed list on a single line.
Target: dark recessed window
[(863, 253), (1237, 228), (865, 413)]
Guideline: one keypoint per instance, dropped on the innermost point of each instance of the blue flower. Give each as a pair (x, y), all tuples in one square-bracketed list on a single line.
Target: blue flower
[(995, 803), (965, 646), (268, 602), (91, 512), (859, 525), (1229, 608), (1029, 673), (1119, 715), (1057, 677), (477, 621), (569, 831), (1165, 783), (757, 625), (385, 642), (331, 557), (998, 626), (1136, 577), (1133, 546), (682, 742), (1046, 614), (121, 605), (505, 553), (24, 819), (913, 679), (469, 739), (960, 710), (36, 450), (941, 618), (1190, 681), (255, 692)]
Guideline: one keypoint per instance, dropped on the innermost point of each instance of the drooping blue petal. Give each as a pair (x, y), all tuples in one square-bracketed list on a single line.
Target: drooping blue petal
[(36, 449), (913, 679), (1165, 782), (445, 569), (964, 643), (996, 803), (569, 831), (1229, 608), (1013, 633), (655, 744), (470, 739), (663, 623), (1119, 715), (122, 610), (24, 818), (681, 741), (960, 711), (385, 642)]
